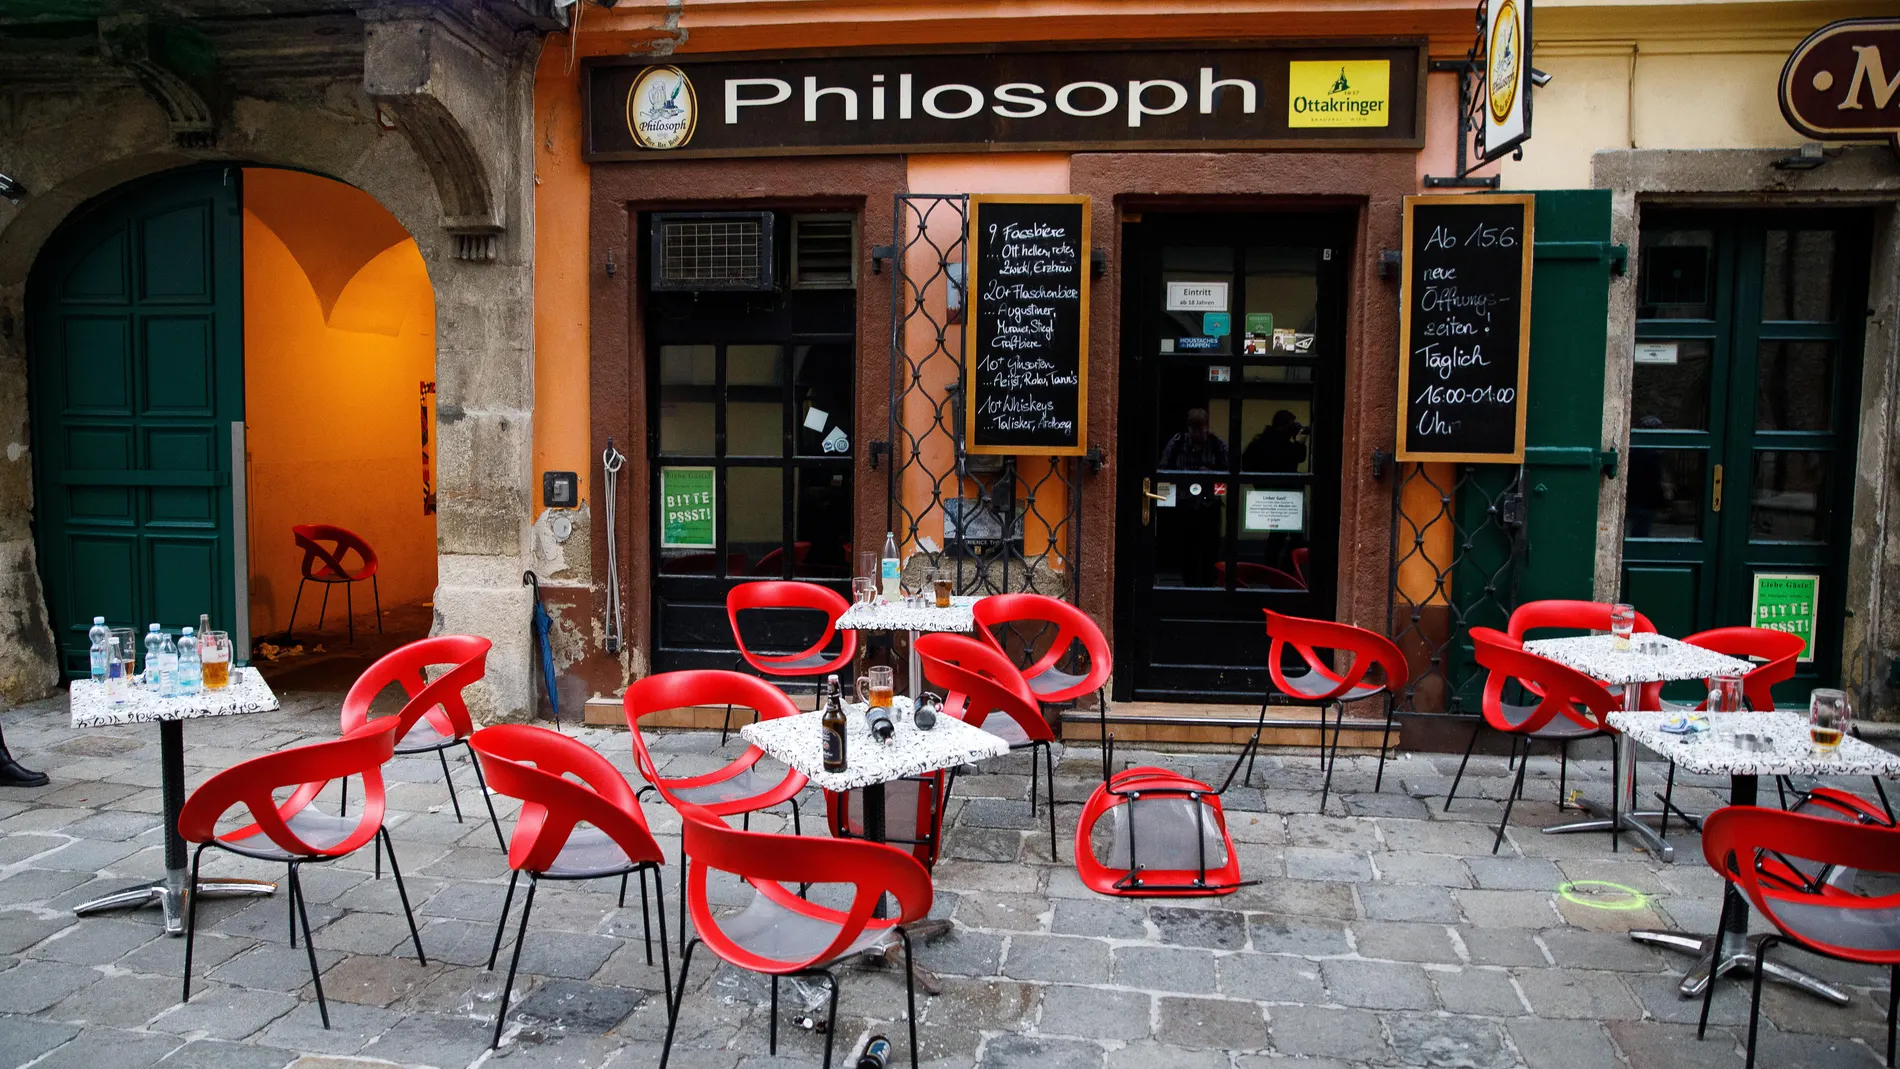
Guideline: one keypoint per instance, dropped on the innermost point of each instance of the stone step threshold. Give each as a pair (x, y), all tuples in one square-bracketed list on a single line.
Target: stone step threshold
[(1132, 723)]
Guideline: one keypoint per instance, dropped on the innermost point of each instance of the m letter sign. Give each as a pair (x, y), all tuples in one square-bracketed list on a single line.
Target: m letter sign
[(1843, 82)]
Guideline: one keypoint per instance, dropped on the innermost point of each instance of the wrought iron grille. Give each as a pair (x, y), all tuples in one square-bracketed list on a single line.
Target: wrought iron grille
[(712, 251), (993, 524), (1457, 549)]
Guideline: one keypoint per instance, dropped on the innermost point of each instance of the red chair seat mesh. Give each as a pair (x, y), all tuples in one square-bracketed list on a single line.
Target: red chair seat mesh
[(1152, 833)]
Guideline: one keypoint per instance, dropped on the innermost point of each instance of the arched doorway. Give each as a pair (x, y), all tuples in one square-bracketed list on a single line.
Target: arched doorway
[(217, 353)]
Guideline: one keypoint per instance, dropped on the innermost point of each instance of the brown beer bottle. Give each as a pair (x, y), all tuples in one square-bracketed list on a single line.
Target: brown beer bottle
[(832, 725)]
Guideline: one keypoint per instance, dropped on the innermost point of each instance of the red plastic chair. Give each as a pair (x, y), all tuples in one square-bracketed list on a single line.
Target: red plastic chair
[(1321, 685), (326, 565), (1569, 706), (1251, 576), (780, 934), (1184, 849), (1072, 627), (740, 787), (435, 717), (549, 843), (294, 831), (768, 594), (1852, 928), (1578, 616), (979, 680)]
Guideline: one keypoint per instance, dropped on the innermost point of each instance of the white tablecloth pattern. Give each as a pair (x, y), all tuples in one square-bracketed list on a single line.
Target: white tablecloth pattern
[(248, 693), (897, 616), (799, 742), (1713, 753), (1597, 657)]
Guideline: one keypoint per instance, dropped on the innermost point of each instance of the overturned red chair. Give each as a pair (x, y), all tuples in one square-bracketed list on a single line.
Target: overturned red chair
[(1166, 836)]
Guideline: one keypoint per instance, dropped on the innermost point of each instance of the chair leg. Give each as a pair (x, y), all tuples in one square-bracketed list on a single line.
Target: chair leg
[(1329, 757), (666, 959), (1034, 774), (797, 827), (1616, 796), (772, 1021), (343, 797), (403, 893), (1669, 794), (682, 901), (1563, 775), (481, 784), (1708, 989), (1455, 780), (376, 595), (1049, 767), (376, 851), (1511, 798), (1893, 1008), (310, 948), (1754, 1001), (191, 919), (673, 1018), (507, 901), (725, 730), (290, 911), (910, 994), (323, 608), (623, 895), (1385, 743), (521, 936), (290, 628), (349, 610), (646, 917), (831, 1015), (443, 755)]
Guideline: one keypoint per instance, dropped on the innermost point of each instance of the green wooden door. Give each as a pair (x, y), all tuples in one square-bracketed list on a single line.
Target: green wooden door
[(1745, 406), (1572, 258), (136, 354)]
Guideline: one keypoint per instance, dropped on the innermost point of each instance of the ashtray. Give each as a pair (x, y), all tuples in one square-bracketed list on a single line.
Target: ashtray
[(1748, 740)]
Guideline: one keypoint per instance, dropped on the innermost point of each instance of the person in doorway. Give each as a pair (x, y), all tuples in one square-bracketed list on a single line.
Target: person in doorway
[(1199, 510), (1280, 445), (14, 774)]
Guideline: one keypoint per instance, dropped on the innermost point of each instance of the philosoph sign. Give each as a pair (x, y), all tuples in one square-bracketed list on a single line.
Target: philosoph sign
[(1843, 82), (1026, 330), (1507, 64), (1112, 97), (1465, 324), (1787, 602), (688, 507)]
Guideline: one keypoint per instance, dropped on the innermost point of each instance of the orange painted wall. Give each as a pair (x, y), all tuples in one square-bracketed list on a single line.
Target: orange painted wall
[(562, 187), (339, 335)]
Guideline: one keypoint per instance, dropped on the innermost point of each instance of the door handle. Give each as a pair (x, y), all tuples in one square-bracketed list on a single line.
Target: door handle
[(1715, 502), (1148, 499)]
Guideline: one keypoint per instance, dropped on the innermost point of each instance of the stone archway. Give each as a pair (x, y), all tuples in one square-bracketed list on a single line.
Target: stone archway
[(78, 140)]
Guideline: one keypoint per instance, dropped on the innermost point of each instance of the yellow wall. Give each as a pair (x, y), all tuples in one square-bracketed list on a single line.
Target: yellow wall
[(562, 188), (339, 336)]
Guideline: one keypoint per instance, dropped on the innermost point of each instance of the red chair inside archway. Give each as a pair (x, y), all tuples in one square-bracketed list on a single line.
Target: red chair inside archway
[(326, 552)]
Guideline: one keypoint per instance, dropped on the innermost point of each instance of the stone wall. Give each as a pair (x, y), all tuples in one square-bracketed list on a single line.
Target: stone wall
[(428, 109)]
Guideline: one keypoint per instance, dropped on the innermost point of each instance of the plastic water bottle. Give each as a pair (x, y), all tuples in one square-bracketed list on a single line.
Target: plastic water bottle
[(153, 639), (116, 670), (98, 635), (890, 569), (190, 674), (167, 678)]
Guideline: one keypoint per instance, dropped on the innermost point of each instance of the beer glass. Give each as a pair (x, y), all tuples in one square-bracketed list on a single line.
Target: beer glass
[(868, 565), (1828, 717), (1622, 625), (1725, 695), (876, 687), (942, 584), (864, 590), (214, 654), (129, 649)]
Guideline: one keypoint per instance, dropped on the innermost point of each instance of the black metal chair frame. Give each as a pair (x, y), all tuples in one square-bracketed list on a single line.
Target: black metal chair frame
[(1563, 776), (441, 752), (349, 604)]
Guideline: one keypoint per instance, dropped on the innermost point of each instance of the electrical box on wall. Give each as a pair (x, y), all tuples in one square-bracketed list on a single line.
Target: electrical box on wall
[(560, 489)]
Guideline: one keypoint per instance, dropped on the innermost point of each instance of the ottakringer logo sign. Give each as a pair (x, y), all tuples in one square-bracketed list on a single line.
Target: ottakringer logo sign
[(662, 109), (1843, 82)]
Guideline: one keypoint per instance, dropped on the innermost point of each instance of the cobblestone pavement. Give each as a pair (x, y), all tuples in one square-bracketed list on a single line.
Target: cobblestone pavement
[(1384, 933)]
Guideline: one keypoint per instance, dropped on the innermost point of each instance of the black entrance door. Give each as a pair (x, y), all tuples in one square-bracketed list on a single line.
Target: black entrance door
[(1745, 408), (1232, 351)]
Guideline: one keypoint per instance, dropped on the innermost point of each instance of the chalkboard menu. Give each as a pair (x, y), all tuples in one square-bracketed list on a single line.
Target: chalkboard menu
[(1026, 325), (1465, 326)]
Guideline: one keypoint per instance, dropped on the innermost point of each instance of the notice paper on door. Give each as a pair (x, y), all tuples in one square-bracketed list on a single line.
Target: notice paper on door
[(1166, 490), (1273, 510), (816, 418)]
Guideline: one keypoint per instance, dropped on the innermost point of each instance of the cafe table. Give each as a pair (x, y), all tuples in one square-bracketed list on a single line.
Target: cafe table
[(1658, 659), (916, 618), (1744, 747), (92, 707)]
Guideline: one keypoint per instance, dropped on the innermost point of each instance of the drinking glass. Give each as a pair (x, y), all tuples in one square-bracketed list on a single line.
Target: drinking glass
[(876, 687), (1829, 715), (1725, 695), (214, 655), (868, 565), (864, 590), (129, 649), (1622, 624), (942, 584)]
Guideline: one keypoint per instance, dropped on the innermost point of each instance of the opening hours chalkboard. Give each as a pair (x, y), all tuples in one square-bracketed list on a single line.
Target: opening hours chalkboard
[(1026, 323), (1465, 326)]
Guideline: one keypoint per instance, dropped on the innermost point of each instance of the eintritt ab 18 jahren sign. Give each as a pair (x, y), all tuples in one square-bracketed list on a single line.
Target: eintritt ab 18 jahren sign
[(1362, 94), (1843, 82)]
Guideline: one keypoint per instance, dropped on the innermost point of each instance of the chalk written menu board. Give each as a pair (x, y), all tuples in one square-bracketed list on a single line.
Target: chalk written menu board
[(1026, 326), (1465, 327)]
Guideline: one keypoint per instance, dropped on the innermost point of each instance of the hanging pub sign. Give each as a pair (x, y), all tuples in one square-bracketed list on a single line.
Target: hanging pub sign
[(1345, 95), (1026, 329), (1507, 64), (1465, 324), (1843, 82)]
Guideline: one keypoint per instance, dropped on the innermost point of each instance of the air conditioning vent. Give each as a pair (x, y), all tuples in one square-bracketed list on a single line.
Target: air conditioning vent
[(824, 252), (698, 251)]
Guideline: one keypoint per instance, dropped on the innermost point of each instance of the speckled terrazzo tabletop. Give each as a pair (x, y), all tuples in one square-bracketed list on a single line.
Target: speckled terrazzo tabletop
[(798, 741), (1597, 657), (1714, 752), (897, 616), (248, 693)]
